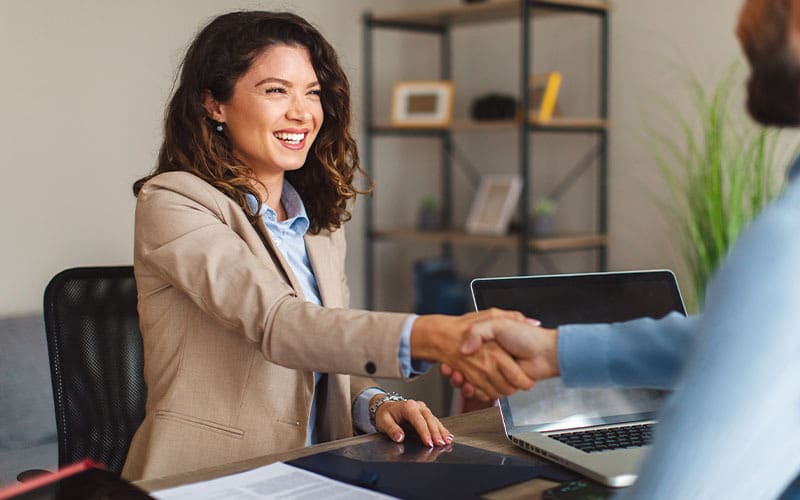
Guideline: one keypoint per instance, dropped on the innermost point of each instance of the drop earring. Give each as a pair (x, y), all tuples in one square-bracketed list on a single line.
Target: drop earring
[(220, 128)]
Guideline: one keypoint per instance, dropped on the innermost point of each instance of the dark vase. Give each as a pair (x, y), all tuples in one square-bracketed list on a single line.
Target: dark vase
[(429, 219), (542, 225)]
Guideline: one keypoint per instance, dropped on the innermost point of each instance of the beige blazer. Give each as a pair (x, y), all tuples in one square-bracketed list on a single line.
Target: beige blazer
[(230, 344)]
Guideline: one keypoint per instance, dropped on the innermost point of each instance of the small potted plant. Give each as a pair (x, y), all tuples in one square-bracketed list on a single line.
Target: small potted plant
[(542, 220), (429, 217)]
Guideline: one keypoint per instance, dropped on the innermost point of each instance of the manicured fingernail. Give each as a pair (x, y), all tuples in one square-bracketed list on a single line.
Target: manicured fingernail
[(429, 443), (534, 322), (441, 442), (398, 437), (449, 438)]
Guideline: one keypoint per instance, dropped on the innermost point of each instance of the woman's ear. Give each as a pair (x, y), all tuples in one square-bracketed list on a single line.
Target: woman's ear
[(213, 108)]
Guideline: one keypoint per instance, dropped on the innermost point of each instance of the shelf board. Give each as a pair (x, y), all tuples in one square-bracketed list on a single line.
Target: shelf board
[(556, 123), (549, 244), (567, 123), (490, 10)]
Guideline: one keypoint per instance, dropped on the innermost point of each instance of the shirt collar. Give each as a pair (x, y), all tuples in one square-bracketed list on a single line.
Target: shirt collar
[(296, 215)]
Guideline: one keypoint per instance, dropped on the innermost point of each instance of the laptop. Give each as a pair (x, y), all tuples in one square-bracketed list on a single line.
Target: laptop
[(600, 433)]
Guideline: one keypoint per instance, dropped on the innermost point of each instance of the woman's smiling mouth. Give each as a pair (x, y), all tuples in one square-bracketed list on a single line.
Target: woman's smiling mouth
[(291, 138)]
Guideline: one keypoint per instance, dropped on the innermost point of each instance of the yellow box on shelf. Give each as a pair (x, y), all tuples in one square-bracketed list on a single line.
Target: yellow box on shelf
[(544, 95)]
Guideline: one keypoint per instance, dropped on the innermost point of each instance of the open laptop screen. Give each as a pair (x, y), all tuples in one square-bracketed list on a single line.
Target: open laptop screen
[(580, 298)]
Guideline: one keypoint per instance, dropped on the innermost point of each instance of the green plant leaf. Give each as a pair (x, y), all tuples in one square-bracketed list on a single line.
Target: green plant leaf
[(719, 171)]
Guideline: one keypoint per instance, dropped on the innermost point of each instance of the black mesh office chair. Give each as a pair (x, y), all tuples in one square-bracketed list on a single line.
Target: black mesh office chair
[(96, 362)]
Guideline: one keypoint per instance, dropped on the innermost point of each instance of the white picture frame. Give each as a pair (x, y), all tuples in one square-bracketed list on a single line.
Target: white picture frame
[(494, 204), (422, 103)]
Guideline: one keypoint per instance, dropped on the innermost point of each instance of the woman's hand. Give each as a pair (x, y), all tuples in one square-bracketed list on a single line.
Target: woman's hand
[(391, 416), (488, 367), (534, 347)]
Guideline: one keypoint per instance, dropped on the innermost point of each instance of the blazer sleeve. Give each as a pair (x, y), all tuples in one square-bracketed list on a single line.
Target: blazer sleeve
[(186, 234)]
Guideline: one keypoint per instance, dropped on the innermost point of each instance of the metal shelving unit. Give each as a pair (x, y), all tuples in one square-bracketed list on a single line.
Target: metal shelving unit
[(440, 22)]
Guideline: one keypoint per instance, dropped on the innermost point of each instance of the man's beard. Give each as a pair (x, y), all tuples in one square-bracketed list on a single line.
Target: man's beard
[(773, 91)]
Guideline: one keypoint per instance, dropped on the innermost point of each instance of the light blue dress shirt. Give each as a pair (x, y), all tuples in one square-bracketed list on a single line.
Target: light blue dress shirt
[(731, 429), (288, 236)]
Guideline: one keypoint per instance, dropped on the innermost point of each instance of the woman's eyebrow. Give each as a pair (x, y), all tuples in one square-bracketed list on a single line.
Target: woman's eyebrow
[(281, 81), (271, 79)]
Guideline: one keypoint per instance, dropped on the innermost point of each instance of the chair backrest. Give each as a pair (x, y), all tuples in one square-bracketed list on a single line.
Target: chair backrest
[(96, 362)]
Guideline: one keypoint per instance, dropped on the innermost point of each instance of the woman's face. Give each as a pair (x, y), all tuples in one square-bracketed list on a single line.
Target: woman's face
[(275, 112)]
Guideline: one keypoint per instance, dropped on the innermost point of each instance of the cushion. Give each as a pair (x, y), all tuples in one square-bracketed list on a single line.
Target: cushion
[(27, 417)]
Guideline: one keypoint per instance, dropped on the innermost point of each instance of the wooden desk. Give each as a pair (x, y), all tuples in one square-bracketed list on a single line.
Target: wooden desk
[(481, 429)]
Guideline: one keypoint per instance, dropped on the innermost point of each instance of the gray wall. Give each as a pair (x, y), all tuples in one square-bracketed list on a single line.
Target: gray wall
[(84, 85)]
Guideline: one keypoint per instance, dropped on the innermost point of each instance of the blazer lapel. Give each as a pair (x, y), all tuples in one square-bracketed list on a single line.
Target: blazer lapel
[(320, 254), (277, 255)]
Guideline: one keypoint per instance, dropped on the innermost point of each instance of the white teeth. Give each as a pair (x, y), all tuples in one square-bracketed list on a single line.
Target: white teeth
[(290, 138)]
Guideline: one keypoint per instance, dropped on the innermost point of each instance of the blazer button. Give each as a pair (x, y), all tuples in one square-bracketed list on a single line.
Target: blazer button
[(370, 367)]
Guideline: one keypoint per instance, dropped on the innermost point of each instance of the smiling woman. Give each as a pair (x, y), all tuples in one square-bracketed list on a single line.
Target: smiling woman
[(239, 264), (281, 57), (272, 118)]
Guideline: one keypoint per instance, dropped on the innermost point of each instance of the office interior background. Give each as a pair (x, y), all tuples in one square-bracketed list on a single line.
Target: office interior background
[(84, 85)]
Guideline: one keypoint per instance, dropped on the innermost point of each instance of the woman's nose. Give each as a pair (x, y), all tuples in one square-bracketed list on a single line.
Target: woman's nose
[(298, 110)]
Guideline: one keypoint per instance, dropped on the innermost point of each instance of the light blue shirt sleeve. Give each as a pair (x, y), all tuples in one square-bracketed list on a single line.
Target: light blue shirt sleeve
[(361, 409), (410, 367), (731, 428), (638, 353)]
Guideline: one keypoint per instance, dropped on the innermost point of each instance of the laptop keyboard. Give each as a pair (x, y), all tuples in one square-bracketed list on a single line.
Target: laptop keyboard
[(612, 438)]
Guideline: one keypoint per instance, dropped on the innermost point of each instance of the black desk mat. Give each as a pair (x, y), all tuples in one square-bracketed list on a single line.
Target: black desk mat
[(411, 470)]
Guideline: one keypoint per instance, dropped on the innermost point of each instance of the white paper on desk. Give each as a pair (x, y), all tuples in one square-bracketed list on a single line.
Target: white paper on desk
[(277, 480)]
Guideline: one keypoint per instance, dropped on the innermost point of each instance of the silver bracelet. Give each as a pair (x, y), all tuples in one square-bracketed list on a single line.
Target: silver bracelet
[(373, 408)]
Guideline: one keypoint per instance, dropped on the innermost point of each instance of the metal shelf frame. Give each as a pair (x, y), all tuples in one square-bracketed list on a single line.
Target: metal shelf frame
[(440, 22)]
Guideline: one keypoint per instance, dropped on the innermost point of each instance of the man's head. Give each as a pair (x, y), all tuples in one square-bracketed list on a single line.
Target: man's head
[(769, 31)]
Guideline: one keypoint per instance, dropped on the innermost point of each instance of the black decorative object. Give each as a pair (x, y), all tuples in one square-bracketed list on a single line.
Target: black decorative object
[(494, 107)]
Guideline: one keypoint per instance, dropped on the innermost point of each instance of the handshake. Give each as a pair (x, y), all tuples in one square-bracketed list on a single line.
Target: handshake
[(487, 353)]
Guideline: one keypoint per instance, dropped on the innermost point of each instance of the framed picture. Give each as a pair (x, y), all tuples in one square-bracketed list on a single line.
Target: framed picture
[(424, 103), (494, 204), (544, 95)]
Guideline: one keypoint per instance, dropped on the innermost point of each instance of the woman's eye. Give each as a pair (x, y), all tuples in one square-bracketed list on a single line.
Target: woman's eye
[(274, 90), (316, 92)]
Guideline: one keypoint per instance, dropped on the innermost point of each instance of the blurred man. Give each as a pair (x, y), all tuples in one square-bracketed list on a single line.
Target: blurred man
[(731, 429)]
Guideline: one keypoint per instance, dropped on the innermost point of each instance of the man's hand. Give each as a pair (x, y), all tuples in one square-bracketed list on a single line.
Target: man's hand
[(533, 347), (487, 365)]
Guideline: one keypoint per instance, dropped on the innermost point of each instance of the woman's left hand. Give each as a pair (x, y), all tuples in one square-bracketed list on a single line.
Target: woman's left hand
[(393, 414)]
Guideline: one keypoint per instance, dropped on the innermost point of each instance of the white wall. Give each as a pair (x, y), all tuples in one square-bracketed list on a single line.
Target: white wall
[(83, 88), (655, 45), (84, 84)]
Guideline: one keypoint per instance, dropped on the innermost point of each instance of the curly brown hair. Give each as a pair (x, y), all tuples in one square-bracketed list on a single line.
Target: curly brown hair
[(220, 54)]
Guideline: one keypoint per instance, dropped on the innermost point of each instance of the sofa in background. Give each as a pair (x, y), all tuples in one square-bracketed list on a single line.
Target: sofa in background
[(27, 417)]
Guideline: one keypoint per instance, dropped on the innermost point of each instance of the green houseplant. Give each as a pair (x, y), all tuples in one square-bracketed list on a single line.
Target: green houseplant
[(720, 174)]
